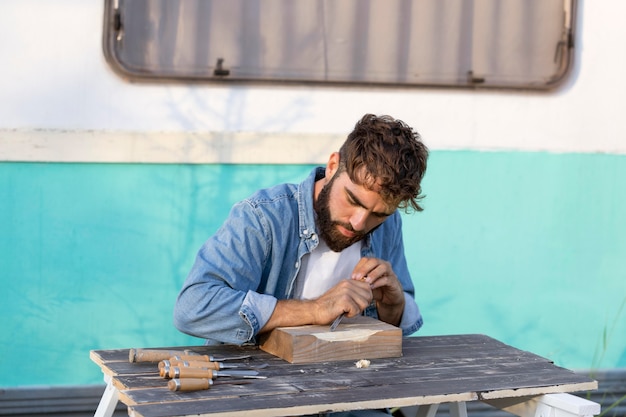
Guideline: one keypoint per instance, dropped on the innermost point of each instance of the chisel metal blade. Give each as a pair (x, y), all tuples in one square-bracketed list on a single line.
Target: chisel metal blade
[(240, 373), (227, 358), (241, 365), (336, 322), (209, 358)]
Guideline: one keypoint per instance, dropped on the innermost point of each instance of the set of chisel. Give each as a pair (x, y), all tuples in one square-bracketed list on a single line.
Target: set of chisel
[(189, 371)]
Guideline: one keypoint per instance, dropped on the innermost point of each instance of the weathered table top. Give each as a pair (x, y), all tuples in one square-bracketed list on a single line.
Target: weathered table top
[(432, 370)]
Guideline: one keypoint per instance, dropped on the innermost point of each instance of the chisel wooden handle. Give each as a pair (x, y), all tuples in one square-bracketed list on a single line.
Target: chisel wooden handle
[(174, 371), (188, 357), (188, 364), (189, 384), (166, 369), (154, 355), (183, 372)]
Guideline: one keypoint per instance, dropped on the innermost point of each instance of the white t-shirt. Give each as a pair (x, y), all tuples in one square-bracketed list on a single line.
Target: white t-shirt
[(322, 269)]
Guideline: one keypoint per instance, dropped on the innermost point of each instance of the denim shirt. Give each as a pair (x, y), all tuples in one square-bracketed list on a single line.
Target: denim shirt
[(252, 261)]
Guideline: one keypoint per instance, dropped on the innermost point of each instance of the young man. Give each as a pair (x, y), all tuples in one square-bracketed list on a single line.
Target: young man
[(298, 254)]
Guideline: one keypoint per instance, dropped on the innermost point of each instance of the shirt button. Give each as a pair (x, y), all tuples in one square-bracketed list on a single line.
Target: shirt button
[(297, 264)]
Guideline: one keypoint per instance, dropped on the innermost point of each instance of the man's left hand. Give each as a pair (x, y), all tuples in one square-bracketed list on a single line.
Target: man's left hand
[(386, 288)]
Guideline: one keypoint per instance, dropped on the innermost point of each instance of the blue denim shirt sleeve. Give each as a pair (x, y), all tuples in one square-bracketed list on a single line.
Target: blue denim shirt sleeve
[(412, 318), (219, 299), (257, 309)]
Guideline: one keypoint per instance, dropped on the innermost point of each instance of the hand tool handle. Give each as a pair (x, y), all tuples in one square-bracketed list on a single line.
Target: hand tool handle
[(168, 363), (187, 357), (152, 355), (183, 372), (189, 384)]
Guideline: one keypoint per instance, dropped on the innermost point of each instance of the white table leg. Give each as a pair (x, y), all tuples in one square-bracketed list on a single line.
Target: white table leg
[(427, 410), (458, 409), (548, 405), (109, 399)]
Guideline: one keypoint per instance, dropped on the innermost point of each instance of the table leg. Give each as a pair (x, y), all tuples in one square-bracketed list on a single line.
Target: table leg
[(427, 410), (548, 405), (458, 409), (109, 399)]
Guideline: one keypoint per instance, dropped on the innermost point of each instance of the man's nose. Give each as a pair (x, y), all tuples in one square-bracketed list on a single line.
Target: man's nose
[(359, 220)]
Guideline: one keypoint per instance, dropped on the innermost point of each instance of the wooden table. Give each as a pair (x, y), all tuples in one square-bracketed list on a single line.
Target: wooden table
[(433, 370)]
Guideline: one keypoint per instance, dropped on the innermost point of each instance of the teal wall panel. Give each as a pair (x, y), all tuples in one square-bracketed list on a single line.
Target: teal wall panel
[(525, 247)]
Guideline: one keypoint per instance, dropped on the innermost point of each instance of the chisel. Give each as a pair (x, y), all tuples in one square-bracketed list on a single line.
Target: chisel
[(165, 366), (156, 355), (196, 384), (168, 363), (336, 322), (182, 372), (208, 358)]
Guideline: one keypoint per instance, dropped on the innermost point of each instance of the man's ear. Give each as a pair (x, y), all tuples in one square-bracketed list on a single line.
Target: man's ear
[(332, 165)]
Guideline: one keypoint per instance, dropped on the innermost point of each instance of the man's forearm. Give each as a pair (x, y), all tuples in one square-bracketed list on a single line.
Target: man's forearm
[(291, 313)]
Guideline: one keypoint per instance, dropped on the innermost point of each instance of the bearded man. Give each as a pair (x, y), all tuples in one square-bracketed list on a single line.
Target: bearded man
[(298, 254)]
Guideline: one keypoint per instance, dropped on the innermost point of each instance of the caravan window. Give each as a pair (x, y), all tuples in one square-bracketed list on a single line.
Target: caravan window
[(463, 43)]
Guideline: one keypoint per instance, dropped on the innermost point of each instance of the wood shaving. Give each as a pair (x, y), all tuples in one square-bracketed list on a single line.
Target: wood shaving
[(363, 363)]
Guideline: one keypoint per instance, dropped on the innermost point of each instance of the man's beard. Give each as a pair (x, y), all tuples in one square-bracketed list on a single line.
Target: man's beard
[(335, 240)]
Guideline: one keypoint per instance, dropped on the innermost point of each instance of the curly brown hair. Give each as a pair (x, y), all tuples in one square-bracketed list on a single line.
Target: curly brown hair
[(385, 152)]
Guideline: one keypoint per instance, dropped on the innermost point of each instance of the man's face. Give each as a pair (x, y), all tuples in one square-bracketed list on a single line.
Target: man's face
[(347, 212)]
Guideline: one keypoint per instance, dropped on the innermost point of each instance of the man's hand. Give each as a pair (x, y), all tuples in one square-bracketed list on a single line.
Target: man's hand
[(372, 279), (386, 288), (348, 296)]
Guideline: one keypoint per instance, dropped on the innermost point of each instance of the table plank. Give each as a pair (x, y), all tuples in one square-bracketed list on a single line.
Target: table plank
[(399, 384), (290, 404)]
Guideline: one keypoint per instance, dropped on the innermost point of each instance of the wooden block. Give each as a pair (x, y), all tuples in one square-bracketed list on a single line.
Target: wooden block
[(355, 338)]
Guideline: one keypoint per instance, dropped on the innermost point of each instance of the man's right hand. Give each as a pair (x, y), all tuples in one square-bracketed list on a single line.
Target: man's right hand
[(348, 296)]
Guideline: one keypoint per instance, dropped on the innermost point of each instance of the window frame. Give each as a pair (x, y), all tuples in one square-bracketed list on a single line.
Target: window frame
[(220, 73)]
